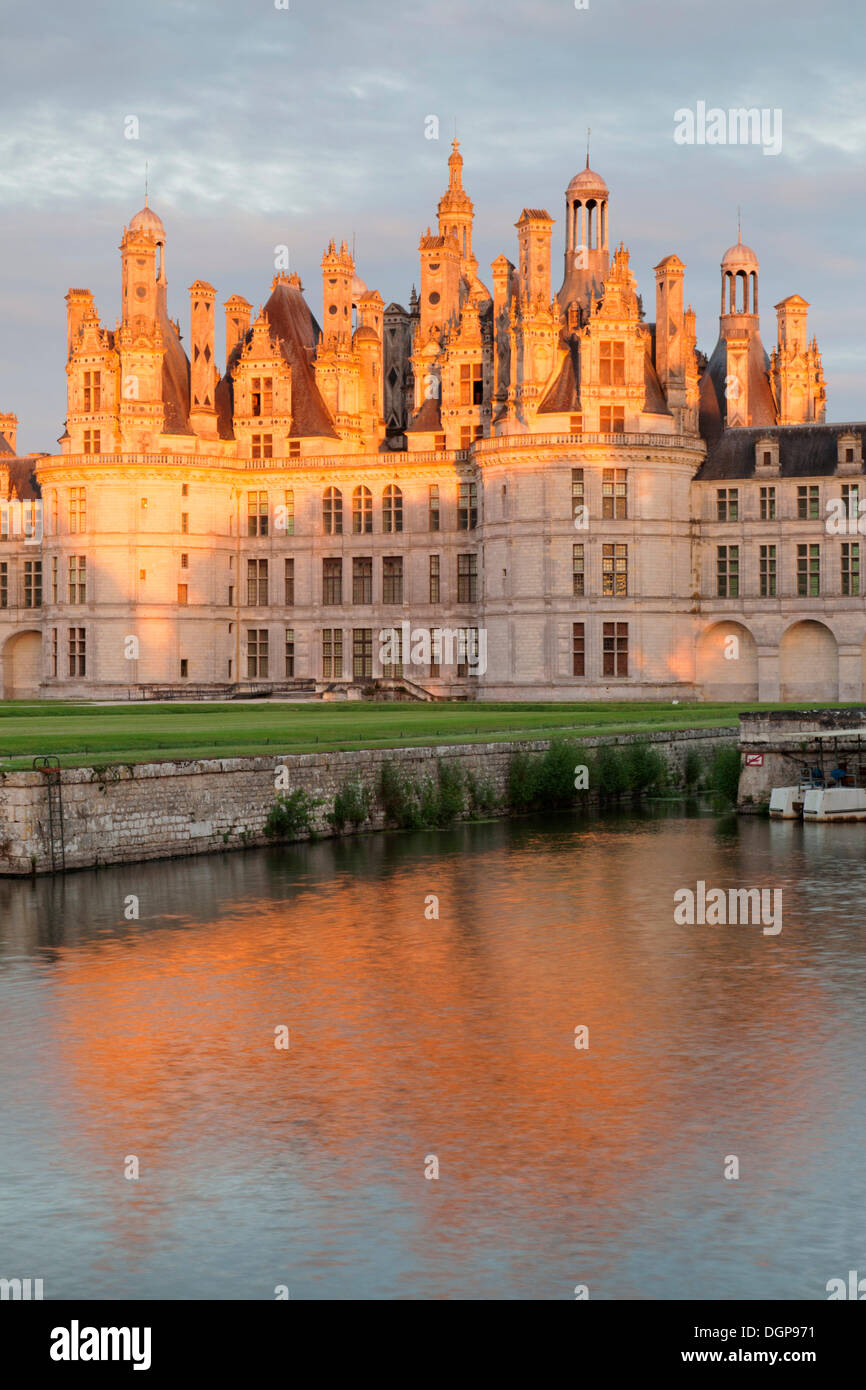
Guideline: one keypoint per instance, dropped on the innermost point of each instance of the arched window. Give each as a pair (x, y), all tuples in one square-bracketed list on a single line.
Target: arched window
[(392, 509), (362, 511), (332, 511)]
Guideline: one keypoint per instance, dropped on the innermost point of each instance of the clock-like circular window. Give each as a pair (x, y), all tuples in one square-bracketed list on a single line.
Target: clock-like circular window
[(434, 298), (141, 291), (332, 309)]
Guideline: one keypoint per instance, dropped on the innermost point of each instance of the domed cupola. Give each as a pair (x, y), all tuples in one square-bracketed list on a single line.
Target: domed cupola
[(586, 238)]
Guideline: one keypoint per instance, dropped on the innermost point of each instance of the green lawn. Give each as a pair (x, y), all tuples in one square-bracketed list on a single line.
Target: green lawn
[(82, 735)]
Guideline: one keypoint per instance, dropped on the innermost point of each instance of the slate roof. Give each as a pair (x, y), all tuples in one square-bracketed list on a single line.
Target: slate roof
[(805, 451)]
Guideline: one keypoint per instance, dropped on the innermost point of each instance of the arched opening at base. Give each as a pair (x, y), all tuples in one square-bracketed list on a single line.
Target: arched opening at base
[(22, 666), (808, 663)]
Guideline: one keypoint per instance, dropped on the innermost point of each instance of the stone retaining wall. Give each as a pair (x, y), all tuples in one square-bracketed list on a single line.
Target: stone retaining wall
[(125, 814)]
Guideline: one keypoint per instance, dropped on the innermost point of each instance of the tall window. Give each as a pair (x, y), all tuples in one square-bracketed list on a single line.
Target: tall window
[(92, 391), (332, 512), (434, 578), (577, 495), (4, 584), (614, 649), (577, 574), (392, 579), (184, 523), (612, 419), (263, 446), (262, 396), (332, 652), (92, 442), (77, 649), (362, 511), (768, 504), (467, 506), (467, 651), (257, 513), (32, 583), (578, 649), (77, 589), (614, 494), (332, 582), (727, 503), (467, 578), (183, 593), (55, 578), (850, 568), (362, 579), (808, 571), (362, 652), (77, 509), (808, 502), (290, 651), (614, 571), (611, 362), (851, 500), (257, 652), (394, 669), (728, 571), (392, 509), (289, 505), (433, 507), (471, 383), (767, 570), (289, 579), (54, 651), (257, 583), (435, 652)]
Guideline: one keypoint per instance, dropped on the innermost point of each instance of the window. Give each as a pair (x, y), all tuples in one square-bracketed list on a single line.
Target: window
[(184, 489), (808, 502), (611, 361), (439, 443), (92, 394), (851, 500), (362, 652), (362, 579), (77, 589), (77, 509), (257, 651), (257, 583), (433, 507), (727, 503), (332, 652), (184, 561), (392, 509), (577, 497), (614, 494), (467, 506), (467, 650), (184, 668), (435, 651), (768, 504), (294, 448), (4, 584), (392, 579), (465, 436), (263, 446), (578, 649), (182, 593), (290, 652), (289, 578), (467, 578), (392, 670), (184, 523), (471, 383), (262, 396), (32, 583), (612, 419), (728, 571), (575, 424), (808, 571), (77, 648), (55, 578), (54, 651), (144, 504), (614, 571), (231, 595), (434, 578), (290, 511), (362, 511), (257, 513), (577, 575), (92, 442), (332, 512), (615, 649), (851, 568), (767, 571), (332, 582)]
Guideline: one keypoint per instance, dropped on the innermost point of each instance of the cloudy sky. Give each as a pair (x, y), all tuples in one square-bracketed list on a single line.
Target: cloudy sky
[(263, 126)]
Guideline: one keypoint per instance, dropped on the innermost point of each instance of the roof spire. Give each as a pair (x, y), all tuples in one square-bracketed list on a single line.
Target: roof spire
[(588, 133)]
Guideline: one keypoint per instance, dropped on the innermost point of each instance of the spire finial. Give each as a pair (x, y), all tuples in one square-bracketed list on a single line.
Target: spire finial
[(588, 133)]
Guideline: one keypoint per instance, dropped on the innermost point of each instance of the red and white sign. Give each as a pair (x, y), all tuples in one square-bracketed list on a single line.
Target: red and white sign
[(754, 760)]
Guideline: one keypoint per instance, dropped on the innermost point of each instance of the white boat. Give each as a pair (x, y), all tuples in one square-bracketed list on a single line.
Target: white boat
[(786, 803), (835, 803)]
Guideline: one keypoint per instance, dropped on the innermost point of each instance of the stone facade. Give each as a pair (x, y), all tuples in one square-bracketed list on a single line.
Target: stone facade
[(577, 498), (124, 814)]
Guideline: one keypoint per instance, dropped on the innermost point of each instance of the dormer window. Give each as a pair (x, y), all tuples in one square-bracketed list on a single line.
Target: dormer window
[(262, 395), (849, 452), (611, 364), (767, 455)]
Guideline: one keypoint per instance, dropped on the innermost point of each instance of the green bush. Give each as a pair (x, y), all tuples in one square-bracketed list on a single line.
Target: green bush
[(522, 785), (646, 769), (609, 774), (451, 793), (692, 768), (291, 815), (724, 773), (482, 795), (352, 805), (555, 776)]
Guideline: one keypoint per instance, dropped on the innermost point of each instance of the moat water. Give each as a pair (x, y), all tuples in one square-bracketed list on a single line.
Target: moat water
[(413, 1038)]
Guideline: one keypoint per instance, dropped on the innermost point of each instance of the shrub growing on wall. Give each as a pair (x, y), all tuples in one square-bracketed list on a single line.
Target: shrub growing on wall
[(291, 815), (724, 775), (352, 805)]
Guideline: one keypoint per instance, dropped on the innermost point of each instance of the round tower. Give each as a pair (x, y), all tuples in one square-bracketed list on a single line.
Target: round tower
[(586, 238)]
